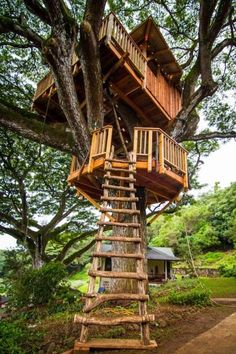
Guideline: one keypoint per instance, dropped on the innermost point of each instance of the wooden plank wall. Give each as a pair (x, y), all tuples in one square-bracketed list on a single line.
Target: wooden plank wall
[(164, 92)]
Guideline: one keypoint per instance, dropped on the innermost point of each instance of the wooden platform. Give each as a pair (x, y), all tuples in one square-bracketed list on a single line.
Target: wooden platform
[(114, 344)]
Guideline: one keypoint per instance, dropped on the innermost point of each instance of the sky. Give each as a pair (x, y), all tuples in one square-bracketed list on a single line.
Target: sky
[(220, 167)]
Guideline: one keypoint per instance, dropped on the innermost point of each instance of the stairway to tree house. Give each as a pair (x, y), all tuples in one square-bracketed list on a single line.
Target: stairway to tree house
[(118, 211)]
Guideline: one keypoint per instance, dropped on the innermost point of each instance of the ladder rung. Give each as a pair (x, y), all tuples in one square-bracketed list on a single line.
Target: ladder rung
[(111, 186), (113, 321), (114, 169), (117, 255), (120, 199), (120, 296), (98, 299), (120, 211), (121, 275), (120, 178), (121, 161), (114, 223), (118, 238)]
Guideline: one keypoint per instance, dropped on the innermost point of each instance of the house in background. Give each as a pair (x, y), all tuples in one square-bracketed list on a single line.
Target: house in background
[(159, 264)]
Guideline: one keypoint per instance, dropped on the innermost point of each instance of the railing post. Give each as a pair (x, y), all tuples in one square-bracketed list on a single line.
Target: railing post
[(90, 164), (161, 153), (135, 144), (185, 171), (110, 25), (150, 151), (109, 140)]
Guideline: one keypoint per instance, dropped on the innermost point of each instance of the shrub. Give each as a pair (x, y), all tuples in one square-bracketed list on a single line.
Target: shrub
[(227, 271), (16, 338), (197, 297), (37, 286)]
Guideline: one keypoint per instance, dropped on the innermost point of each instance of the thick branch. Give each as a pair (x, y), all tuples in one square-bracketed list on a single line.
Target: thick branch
[(211, 135), (90, 62), (79, 253), (31, 126), (74, 240), (220, 46), (37, 9), (7, 25)]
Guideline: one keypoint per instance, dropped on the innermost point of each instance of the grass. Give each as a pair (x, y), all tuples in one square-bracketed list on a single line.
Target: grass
[(220, 287), (213, 259), (79, 280)]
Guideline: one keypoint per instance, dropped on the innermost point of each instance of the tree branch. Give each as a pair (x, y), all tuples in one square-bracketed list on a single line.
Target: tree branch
[(79, 253), (37, 9), (31, 126), (8, 25), (211, 135)]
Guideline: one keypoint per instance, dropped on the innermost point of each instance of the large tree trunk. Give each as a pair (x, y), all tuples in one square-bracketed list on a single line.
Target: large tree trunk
[(122, 264)]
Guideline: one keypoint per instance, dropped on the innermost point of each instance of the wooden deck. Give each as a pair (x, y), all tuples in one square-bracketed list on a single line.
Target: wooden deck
[(161, 164), (133, 78)]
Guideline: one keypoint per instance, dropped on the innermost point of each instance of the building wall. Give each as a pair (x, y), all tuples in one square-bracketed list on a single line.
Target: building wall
[(152, 264)]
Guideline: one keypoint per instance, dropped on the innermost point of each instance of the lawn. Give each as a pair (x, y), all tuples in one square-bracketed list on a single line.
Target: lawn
[(220, 287)]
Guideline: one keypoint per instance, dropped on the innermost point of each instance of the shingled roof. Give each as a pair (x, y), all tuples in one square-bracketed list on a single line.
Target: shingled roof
[(156, 253)]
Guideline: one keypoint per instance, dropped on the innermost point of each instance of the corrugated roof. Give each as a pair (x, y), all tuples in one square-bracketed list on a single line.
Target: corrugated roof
[(157, 47), (157, 253)]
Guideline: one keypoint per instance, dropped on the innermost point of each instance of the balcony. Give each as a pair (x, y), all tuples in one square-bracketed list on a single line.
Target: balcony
[(161, 164)]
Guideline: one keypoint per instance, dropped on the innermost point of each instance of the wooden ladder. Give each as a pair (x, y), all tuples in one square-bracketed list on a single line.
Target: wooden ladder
[(118, 198)]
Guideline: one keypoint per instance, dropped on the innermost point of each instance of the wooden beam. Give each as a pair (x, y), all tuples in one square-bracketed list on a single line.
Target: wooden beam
[(158, 52), (116, 66), (102, 343), (130, 103), (93, 202), (113, 321)]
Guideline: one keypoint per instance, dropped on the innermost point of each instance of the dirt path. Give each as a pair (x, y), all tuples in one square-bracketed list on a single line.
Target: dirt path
[(217, 340)]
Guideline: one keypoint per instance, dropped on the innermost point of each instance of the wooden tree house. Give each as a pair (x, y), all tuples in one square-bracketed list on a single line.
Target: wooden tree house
[(141, 73)]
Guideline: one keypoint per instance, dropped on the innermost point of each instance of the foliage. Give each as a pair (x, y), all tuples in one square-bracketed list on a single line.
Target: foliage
[(208, 223), (38, 208), (228, 270), (196, 297), (17, 338), (37, 286)]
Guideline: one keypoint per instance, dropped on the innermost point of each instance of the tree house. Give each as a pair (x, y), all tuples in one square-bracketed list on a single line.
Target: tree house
[(143, 74)]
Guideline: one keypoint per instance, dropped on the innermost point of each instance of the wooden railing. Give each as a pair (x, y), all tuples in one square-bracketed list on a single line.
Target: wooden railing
[(152, 144), (100, 145), (165, 93), (112, 28)]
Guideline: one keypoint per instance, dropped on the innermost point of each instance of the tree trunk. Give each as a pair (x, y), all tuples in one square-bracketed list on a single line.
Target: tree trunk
[(126, 265)]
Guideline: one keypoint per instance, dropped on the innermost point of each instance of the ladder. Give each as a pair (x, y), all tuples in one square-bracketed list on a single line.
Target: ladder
[(118, 198)]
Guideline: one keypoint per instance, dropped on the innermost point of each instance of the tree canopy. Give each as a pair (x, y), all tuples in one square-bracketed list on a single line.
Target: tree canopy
[(209, 222), (37, 35), (38, 208)]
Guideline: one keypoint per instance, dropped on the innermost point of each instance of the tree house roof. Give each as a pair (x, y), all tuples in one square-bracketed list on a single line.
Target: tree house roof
[(157, 48)]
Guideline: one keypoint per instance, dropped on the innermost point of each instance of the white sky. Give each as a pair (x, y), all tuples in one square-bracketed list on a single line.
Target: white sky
[(220, 167)]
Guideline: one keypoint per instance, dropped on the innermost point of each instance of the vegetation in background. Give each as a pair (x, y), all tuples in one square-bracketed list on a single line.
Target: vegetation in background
[(208, 224), (38, 208)]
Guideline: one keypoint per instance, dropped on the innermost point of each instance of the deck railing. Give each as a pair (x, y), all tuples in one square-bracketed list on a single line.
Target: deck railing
[(112, 28), (100, 145), (152, 144)]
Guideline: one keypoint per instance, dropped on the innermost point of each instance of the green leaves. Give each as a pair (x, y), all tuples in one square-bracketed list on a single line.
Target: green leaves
[(209, 223)]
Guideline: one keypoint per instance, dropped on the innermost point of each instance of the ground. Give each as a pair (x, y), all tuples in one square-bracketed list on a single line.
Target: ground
[(174, 328)]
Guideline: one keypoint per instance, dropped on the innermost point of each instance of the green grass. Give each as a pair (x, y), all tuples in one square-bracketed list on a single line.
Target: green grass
[(80, 280), (213, 259), (220, 287)]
